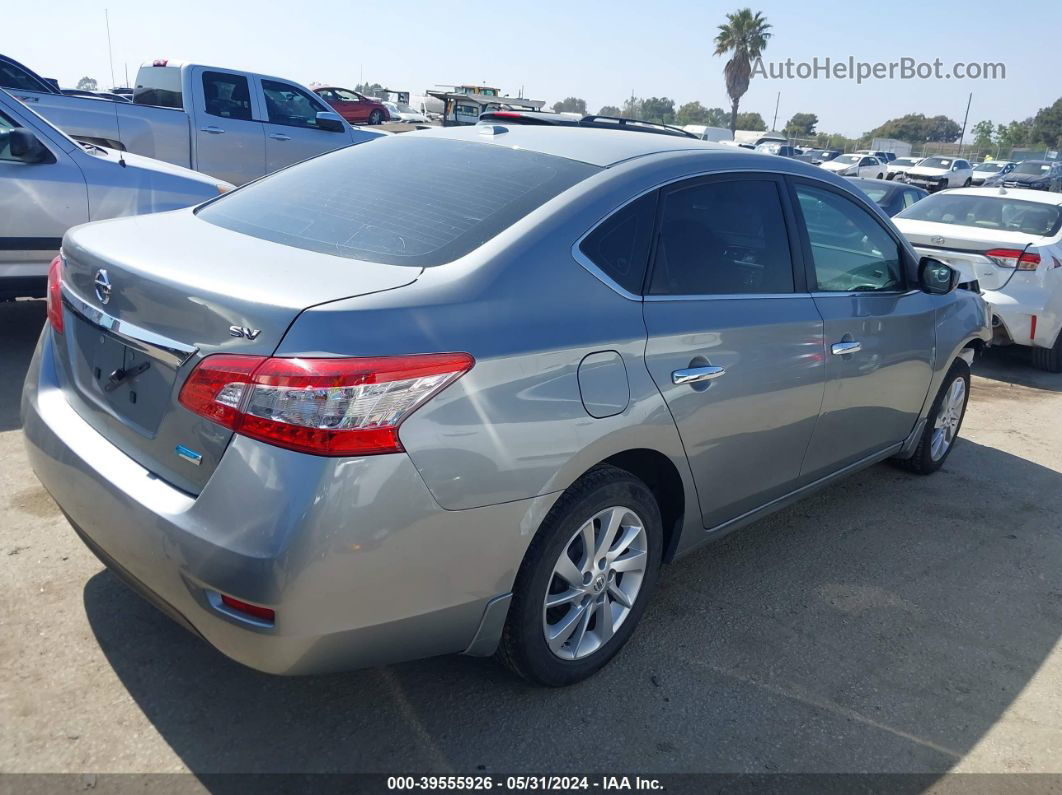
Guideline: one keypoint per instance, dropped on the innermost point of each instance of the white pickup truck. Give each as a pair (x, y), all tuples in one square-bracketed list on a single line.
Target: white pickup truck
[(232, 125)]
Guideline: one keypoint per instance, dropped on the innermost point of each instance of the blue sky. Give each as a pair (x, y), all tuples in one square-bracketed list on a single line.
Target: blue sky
[(601, 51)]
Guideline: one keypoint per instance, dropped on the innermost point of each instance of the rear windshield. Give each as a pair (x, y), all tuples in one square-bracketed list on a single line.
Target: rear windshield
[(400, 200), (158, 85), (987, 212)]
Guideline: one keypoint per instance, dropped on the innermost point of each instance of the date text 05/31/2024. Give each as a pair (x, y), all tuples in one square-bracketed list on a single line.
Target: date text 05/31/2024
[(522, 783)]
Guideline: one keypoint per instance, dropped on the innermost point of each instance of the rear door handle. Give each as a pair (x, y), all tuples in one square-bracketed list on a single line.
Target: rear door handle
[(280, 137), (843, 348), (212, 130), (693, 375)]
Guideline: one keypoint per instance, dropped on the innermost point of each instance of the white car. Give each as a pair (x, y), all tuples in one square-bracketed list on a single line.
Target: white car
[(49, 183), (992, 170), (900, 166), (402, 112), (937, 173), (856, 165), (1009, 241)]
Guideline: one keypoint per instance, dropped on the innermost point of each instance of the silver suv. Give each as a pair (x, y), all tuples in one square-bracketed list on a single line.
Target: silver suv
[(466, 390)]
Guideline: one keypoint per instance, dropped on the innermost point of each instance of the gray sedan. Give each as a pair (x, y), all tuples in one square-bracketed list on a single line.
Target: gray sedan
[(465, 390)]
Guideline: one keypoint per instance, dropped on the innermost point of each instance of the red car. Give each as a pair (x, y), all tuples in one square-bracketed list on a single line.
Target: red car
[(352, 106)]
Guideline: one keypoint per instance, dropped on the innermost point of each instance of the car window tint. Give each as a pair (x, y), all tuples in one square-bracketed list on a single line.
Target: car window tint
[(910, 197), (227, 95), (620, 245), (402, 200), (6, 125), (286, 104), (13, 77), (850, 250), (347, 96), (722, 238)]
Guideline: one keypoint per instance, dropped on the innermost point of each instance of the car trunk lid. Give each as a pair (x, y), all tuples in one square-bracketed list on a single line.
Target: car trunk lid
[(147, 298), (965, 247)]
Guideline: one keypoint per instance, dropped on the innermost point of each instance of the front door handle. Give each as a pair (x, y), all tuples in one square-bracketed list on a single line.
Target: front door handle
[(693, 375), (280, 137), (843, 348), (212, 130)]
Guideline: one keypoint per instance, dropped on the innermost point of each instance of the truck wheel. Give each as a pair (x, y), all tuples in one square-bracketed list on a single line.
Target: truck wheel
[(375, 117), (1049, 359), (943, 423), (968, 183), (585, 580)]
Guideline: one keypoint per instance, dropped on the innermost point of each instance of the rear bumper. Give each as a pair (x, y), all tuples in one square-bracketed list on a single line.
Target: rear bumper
[(359, 562), (1013, 311)]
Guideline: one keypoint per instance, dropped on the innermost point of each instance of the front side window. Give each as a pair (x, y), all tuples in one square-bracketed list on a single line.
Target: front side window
[(347, 96), (723, 238), (13, 77), (6, 126), (620, 245), (850, 250), (289, 105), (227, 95)]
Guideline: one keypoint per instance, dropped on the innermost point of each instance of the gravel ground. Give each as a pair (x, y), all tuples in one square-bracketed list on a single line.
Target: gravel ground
[(890, 623)]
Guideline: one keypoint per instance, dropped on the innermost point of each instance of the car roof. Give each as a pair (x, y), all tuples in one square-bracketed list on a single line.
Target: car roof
[(587, 144), (1042, 197)]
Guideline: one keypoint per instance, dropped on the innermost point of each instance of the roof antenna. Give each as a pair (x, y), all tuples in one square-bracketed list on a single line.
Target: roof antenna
[(118, 126)]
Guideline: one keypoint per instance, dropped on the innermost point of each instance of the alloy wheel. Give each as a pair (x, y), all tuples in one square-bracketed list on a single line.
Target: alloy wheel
[(595, 583), (946, 427)]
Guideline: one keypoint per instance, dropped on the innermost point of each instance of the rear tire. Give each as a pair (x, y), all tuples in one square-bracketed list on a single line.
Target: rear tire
[(1049, 359), (375, 117), (943, 423), (574, 637), (881, 176)]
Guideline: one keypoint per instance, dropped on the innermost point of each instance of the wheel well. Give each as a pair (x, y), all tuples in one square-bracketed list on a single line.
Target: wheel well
[(658, 473)]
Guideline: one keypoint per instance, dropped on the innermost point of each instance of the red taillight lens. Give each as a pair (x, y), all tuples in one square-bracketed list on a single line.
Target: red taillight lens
[(1014, 258), (54, 294), (263, 613), (321, 406)]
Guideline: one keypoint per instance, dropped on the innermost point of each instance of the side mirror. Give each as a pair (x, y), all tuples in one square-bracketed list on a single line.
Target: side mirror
[(24, 146), (936, 277), (329, 121)]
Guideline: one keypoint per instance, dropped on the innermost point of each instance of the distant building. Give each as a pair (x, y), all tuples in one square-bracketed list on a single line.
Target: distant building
[(894, 145)]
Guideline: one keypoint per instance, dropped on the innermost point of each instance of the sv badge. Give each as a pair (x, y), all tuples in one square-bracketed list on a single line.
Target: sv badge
[(243, 331)]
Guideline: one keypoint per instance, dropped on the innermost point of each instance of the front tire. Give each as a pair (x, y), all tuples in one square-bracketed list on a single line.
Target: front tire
[(943, 423), (585, 580), (968, 183), (880, 176)]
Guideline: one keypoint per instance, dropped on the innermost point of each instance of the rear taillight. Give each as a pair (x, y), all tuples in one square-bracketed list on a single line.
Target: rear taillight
[(54, 294), (1014, 258), (321, 406)]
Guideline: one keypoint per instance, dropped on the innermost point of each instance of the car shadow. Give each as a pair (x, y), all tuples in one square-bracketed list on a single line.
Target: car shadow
[(20, 326), (884, 624), (1013, 365)]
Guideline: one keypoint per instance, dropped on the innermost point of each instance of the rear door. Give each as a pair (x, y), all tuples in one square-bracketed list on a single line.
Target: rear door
[(880, 329), (229, 138), (38, 203), (292, 131), (735, 343)]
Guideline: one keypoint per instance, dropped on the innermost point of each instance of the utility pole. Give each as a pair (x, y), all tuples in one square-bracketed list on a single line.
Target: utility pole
[(774, 124), (964, 120), (110, 52)]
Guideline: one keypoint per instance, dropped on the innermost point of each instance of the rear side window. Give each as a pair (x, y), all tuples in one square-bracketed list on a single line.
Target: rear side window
[(400, 199), (289, 105), (723, 238), (227, 95), (620, 245), (159, 85), (13, 77)]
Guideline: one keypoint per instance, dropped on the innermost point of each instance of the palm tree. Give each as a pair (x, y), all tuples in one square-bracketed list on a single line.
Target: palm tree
[(745, 34)]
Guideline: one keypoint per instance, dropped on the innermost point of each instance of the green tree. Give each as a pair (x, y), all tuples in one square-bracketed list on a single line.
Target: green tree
[(1047, 126), (918, 128), (745, 35), (87, 84), (749, 121), (370, 89), (983, 133), (1017, 133), (801, 125), (696, 113), (661, 109), (609, 110), (632, 108), (570, 105)]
